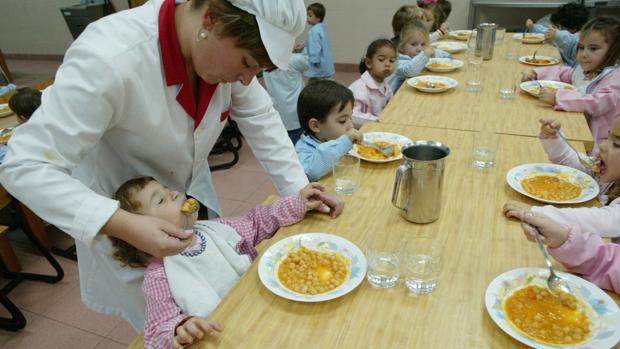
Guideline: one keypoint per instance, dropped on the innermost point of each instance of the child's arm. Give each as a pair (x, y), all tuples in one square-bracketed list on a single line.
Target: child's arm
[(601, 102), (313, 47), (163, 315), (317, 162), (586, 254), (564, 74), (298, 63), (559, 152), (412, 67), (567, 44), (603, 221), (539, 28)]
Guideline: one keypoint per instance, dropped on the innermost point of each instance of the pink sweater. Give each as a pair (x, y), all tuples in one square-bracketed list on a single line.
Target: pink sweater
[(163, 315), (604, 221), (588, 255), (600, 106), (370, 99)]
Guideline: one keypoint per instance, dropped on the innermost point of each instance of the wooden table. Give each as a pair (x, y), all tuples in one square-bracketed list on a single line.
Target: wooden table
[(462, 110), (479, 244)]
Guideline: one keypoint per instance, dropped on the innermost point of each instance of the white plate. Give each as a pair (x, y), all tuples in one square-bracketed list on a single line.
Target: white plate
[(462, 34), (530, 38), (532, 87), (523, 59), (451, 83), (588, 184), (450, 46), (5, 110), (603, 311), (452, 63), (270, 261), (401, 141)]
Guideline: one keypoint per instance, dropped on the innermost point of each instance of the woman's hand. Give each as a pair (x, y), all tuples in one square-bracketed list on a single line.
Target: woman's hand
[(317, 199), (549, 127), (515, 209), (529, 75), (155, 236), (193, 329), (546, 95), (552, 233)]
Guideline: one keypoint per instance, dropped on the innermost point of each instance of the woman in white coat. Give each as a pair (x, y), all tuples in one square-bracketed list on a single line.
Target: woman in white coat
[(142, 92)]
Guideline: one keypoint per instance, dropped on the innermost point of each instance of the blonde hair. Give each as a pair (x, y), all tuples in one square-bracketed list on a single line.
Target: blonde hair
[(409, 30), (124, 252), (404, 15)]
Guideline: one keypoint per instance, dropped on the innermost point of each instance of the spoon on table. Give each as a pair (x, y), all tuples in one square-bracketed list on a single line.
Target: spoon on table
[(586, 162), (555, 284)]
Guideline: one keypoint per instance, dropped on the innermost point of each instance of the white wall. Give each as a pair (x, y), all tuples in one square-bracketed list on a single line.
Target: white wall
[(37, 26)]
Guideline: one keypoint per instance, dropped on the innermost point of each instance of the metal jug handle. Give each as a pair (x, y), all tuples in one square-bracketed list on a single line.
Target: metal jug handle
[(402, 171)]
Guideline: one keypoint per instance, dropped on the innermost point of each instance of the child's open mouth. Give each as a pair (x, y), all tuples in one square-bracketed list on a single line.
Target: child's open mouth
[(602, 168)]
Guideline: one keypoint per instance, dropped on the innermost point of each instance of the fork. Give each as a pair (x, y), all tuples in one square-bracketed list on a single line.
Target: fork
[(585, 161)]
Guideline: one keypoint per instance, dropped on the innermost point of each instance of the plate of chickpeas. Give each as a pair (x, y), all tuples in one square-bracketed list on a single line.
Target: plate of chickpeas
[(312, 267)]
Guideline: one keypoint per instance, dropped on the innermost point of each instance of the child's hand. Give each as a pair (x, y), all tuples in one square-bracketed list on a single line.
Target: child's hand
[(529, 75), (515, 209), (299, 47), (552, 233), (355, 135), (529, 24), (549, 127), (193, 330), (547, 96), (310, 195), (429, 51), (550, 34), (444, 27)]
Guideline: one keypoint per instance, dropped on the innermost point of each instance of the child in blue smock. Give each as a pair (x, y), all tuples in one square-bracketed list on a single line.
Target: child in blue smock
[(318, 48)]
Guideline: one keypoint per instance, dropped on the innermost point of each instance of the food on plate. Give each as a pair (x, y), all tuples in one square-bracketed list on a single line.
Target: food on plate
[(5, 136), (310, 272), (538, 60), (548, 318), (462, 33), (535, 89), (551, 187), (444, 47), (4, 108), (440, 65), (430, 84), (532, 37), (374, 154), (190, 206)]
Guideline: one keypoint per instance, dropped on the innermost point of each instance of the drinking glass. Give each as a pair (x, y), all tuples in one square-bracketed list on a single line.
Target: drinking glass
[(512, 49), (485, 148), (422, 264), (474, 66), (500, 34), (507, 86), (346, 174), (383, 255)]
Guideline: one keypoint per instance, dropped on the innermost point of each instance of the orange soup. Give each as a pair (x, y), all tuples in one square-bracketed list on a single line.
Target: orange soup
[(550, 187), (544, 317), (308, 271), (538, 60)]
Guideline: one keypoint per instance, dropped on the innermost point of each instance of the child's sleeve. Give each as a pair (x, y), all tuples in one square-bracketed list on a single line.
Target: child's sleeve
[(588, 255), (442, 54), (539, 28), (603, 221), (163, 315), (559, 152), (318, 162), (567, 44), (263, 221), (598, 103), (436, 35), (313, 46), (563, 74), (412, 67), (298, 63)]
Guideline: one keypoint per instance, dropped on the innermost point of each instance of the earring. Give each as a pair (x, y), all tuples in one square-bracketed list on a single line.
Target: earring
[(202, 34)]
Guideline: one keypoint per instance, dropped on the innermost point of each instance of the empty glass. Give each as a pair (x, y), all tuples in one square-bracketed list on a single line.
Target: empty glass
[(512, 48), (474, 66), (507, 86), (383, 256), (485, 148), (423, 263), (346, 174), (500, 34)]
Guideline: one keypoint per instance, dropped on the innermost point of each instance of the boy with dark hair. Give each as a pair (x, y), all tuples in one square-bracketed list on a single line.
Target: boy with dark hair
[(318, 48), (325, 110), (25, 102)]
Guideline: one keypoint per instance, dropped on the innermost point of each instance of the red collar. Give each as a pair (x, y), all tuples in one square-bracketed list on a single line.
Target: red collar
[(174, 67)]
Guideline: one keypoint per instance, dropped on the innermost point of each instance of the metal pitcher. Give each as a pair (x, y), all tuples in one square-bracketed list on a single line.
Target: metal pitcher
[(485, 40), (417, 188)]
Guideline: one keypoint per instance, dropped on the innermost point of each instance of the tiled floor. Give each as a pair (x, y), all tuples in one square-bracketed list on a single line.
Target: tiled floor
[(55, 314)]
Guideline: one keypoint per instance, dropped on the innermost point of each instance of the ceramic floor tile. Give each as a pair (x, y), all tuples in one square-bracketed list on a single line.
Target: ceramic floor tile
[(262, 193), (71, 311), (247, 160), (110, 344), (237, 184), (122, 333), (43, 333)]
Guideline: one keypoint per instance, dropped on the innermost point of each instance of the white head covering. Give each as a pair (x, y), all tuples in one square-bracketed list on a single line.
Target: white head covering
[(279, 22)]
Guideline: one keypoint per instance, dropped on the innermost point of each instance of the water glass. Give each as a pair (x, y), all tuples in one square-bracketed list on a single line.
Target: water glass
[(423, 263), (474, 65), (500, 33), (507, 86), (485, 148), (513, 47), (383, 256), (346, 174)]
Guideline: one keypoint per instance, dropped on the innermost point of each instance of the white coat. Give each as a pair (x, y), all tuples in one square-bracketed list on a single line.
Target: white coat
[(110, 117)]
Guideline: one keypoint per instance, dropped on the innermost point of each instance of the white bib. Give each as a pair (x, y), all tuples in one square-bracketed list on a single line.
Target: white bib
[(200, 276)]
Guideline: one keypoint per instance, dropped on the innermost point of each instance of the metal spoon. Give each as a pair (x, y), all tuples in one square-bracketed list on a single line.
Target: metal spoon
[(586, 162), (555, 284), (387, 150)]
